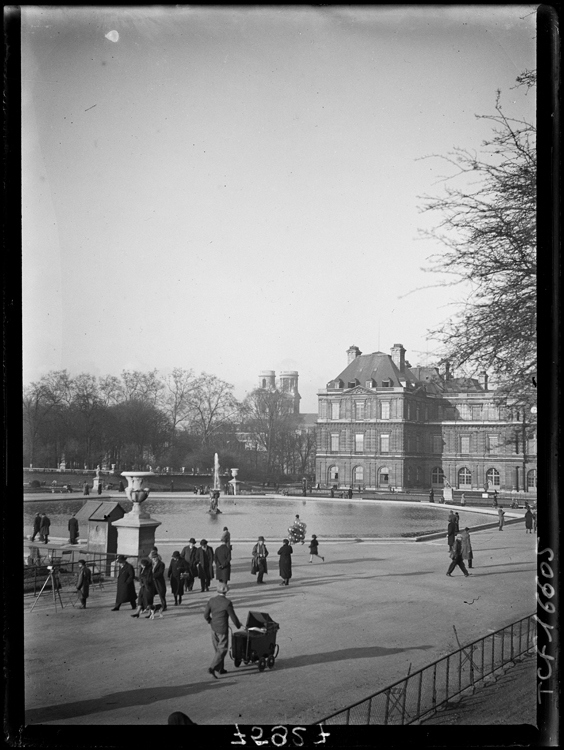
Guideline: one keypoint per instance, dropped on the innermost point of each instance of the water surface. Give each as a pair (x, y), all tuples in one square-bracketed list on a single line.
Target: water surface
[(246, 518)]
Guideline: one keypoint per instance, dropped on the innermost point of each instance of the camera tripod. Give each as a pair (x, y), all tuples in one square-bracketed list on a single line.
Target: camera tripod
[(53, 577)]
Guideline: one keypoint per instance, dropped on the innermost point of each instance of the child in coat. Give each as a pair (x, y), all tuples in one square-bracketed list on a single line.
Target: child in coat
[(313, 548)]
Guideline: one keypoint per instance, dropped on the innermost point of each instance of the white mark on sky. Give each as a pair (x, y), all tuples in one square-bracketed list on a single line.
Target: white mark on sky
[(113, 36)]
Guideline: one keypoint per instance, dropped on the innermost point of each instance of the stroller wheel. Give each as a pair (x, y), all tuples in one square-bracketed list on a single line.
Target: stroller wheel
[(262, 664), (237, 662), (270, 661)]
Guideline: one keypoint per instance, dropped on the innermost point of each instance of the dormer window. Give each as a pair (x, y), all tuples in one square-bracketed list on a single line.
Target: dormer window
[(387, 383), (351, 384), (370, 384)]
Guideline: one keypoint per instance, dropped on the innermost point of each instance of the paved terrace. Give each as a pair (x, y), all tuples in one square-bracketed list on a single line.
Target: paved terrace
[(348, 627)]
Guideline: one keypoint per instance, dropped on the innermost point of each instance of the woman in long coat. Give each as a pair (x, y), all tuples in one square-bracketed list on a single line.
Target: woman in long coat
[(177, 573), (222, 559), (147, 589), (125, 584), (285, 562), (260, 553), (159, 577), (528, 522)]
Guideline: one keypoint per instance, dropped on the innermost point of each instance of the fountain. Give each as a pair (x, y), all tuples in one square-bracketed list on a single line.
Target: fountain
[(136, 530), (214, 510)]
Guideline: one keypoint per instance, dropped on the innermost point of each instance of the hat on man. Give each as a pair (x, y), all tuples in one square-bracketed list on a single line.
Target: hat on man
[(261, 539), (222, 588), (176, 553), (191, 540), (204, 541), (122, 558)]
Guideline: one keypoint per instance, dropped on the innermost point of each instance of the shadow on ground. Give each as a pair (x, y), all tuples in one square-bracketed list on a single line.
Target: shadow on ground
[(112, 701), (327, 657)]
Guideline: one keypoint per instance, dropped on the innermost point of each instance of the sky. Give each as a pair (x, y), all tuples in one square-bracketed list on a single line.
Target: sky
[(230, 190)]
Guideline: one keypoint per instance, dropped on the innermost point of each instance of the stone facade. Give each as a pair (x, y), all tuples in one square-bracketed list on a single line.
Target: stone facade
[(382, 424)]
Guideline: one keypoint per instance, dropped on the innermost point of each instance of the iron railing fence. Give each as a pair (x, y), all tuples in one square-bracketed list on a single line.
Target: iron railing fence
[(103, 566), (421, 693)]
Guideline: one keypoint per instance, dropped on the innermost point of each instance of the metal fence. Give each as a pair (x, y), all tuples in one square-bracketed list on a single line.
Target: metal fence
[(103, 567), (421, 693)]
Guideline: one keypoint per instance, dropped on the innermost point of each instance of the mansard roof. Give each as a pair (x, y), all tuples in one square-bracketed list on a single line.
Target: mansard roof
[(377, 366)]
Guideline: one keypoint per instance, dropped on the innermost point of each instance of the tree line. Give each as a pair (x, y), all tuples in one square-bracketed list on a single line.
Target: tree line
[(145, 419)]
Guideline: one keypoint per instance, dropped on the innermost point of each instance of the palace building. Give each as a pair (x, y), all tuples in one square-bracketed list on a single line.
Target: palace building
[(384, 424)]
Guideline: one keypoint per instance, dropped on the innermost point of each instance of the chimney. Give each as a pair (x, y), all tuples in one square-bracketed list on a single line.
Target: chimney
[(448, 376), (398, 356), (483, 380), (352, 353)]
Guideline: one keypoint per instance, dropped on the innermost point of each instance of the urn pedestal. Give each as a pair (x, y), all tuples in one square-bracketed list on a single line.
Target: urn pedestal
[(136, 530)]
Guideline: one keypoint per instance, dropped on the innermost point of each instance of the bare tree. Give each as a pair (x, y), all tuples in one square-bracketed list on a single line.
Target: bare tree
[(488, 227), (212, 406), (268, 419)]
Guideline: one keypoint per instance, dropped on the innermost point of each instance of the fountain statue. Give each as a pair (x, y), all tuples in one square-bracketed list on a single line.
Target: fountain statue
[(214, 494), (136, 530)]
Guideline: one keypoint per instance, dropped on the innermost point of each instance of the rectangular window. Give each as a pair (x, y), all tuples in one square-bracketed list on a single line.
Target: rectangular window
[(385, 410), (532, 446), (437, 443), (464, 411), (384, 443), (465, 444), (369, 384), (335, 442), (477, 412), (440, 412), (359, 409), (359, 442), (493, 443), (335, 409)]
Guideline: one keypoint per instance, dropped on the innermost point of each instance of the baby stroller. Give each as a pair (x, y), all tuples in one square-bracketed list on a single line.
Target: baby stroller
[(256, 642)]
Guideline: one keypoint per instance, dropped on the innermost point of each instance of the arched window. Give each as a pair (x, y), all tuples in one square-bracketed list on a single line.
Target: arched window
[(264, 382), (492, 478), (333, 474), (464, 478), (383, 477), (437, 476), (532, 479), (358, 475)]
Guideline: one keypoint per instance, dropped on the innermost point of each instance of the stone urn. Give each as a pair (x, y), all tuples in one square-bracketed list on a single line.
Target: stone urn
[(137, 491)]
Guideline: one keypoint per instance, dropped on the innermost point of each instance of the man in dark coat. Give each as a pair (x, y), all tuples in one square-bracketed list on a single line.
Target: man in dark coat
[(125, 584), (83, 583), (285, 553), (36, 525), (205, 565), (73, 530), (456, 555), (44, 528), (222, 560), (451, 531), (190, 555), (85, 488), (159, 576), (218, 611)]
